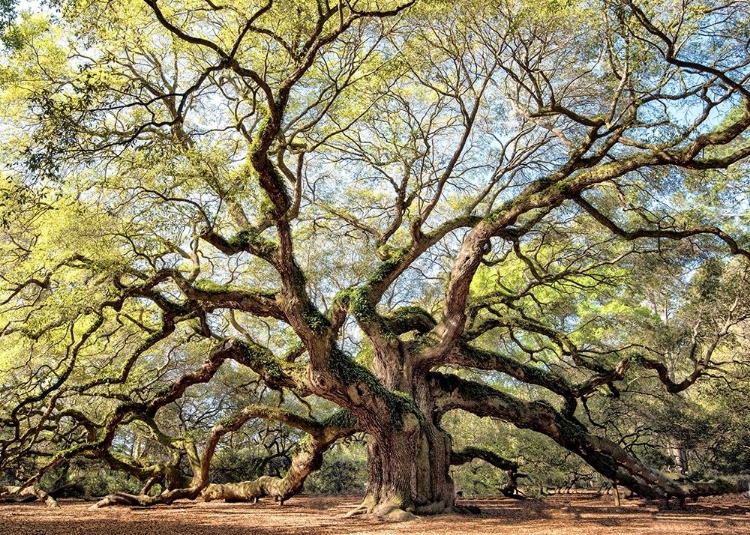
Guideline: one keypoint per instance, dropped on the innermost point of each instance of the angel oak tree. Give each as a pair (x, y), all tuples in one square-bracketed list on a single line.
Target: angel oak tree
[(402, 208)]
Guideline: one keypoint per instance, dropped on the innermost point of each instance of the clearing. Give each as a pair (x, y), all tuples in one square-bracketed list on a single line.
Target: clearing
[(559, 514)]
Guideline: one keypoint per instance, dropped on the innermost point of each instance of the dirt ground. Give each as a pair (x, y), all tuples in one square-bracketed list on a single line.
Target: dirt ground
[(560, 514)]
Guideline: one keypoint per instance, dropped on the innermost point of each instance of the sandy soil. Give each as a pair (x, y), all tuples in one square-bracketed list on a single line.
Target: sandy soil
[(561, 514)]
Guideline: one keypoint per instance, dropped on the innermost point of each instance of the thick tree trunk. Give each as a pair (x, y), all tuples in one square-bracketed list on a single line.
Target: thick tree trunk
[(435, 486), (409, 473), (409, 464), (389, 485)]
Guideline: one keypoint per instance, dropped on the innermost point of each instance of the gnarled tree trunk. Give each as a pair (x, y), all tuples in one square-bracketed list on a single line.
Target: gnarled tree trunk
[(408, 462)]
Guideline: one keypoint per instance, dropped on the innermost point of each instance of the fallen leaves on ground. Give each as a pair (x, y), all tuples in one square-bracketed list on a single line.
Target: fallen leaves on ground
[(584, 514)]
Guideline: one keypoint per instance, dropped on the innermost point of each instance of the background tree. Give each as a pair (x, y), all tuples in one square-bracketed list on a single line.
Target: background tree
[(361, 216)]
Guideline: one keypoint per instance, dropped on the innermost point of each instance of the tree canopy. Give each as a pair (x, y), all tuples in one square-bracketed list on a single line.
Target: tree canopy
[(359, 216)]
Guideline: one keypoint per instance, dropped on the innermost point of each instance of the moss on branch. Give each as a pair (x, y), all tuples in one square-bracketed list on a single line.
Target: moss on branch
[(350, 373)]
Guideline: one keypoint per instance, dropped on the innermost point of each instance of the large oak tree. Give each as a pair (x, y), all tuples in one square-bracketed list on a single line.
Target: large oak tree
[(384, 209)]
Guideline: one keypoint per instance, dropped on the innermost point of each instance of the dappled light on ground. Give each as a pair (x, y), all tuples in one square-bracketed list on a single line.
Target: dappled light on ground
[(557, 515)]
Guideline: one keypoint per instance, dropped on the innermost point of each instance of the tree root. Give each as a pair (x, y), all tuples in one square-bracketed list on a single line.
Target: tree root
[(359, 510), (434, 508), (389, 511), (143, 500), (392, 512), (25, 494)]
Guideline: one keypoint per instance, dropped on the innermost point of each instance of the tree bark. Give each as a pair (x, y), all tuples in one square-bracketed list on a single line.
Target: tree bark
[(31, 492), (408, 464)]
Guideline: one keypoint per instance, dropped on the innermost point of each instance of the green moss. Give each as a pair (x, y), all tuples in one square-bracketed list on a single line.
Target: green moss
[(387, 267), (315, 320), (410, 318), (349, 372), (265, 115), (241, 240), (495, 215), (304, 442), (265, 206), (408, 311), (295, 347), (210, 286), (401, 403), (476, 355), (342, 298), (366, 355), (229, 421), (251, 239), (341, 418), (361, 305), (262, 361)]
